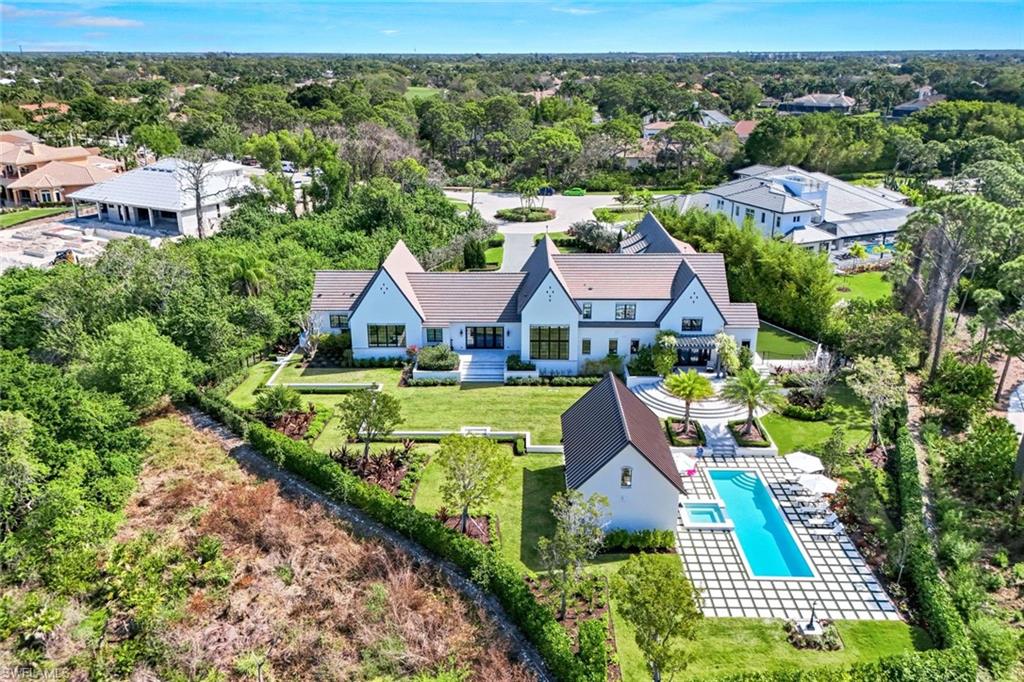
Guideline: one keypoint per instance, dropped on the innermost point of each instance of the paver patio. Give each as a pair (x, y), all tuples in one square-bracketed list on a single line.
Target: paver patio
[(844, 587)]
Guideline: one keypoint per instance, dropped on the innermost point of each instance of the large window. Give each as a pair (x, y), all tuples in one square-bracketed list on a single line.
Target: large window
[(625, 311), (385, 335), (549, 343), (435, 335), (588, 310), (339, 321), (692, 324)]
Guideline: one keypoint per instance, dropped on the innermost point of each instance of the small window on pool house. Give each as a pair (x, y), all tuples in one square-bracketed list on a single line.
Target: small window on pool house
[(626, 478)]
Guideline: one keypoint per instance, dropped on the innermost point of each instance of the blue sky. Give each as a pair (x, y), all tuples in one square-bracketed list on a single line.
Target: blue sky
[(426, 26)]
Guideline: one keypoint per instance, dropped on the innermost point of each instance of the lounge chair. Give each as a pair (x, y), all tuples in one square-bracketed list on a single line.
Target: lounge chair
[(827, 520), (832, 532)]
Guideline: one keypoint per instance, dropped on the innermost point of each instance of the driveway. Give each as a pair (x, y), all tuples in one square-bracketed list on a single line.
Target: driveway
[(568, 210)]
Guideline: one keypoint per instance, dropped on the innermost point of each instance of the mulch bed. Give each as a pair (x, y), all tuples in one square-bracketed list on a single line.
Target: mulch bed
[(753, 435), (477, 528), (580, 608), (383, 469), (680, 434), (295, 424)]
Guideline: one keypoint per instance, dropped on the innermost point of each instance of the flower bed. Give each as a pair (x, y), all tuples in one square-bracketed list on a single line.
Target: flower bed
[(758, 438), (525, 215), (809, 414), (693, 437)]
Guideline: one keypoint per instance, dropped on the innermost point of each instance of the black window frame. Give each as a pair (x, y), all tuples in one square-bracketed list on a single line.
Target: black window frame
[(683, 326), (585, 347), (335, 321), (625, 311), (626, 477), (428, 332), (634, 346), (392, 336), (549, 342), (613, 346), (588, 310)]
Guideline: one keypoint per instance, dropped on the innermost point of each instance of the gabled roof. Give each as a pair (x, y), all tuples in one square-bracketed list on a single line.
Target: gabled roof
[(762, 193), (399, 263), (18, 153), (339, 289), (824, 99), (744, 128), (651, 237), (58, 174), (17, 136), (447, 297), (602, 423), (536, 268), (920, 103)]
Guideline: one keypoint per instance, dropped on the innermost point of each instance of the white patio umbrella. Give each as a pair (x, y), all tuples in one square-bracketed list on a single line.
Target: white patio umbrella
[(804, 462), (817, 484)]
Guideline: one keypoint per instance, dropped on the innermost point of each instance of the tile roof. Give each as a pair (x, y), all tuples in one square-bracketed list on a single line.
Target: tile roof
[(619, 275), (339, 289), (537, 266), (447, 297), (651, 237), (57, 174), (602, 423), (399, 263), (920, 103), (17, 136), (742, 315), (22, 154), (761, 192), (743, 129), (161, 186)]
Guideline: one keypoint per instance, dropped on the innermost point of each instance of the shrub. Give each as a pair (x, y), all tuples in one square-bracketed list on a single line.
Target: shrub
[(642, 362), (593, 650), (595, 237), (982, 464), (520, 446), (335, 344), (553, 381), (320, 419), (807, 414), (575, 381), (473, 257), (997, 646), (515, 363), (610, 363), (275, 401), (520, 214), (575, 192), (645, 540), (427, 382), (959, 389), (439, 358)]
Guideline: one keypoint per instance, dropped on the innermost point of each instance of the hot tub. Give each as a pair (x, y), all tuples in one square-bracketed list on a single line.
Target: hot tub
[(704, 514)]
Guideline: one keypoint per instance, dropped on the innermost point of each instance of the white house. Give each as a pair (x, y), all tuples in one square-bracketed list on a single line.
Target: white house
[(815, 210), (558, 312), (160, 196), (616, 447)]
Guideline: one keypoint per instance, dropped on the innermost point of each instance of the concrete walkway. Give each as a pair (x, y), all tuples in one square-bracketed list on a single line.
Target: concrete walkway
[(568, 210), (295, 487)]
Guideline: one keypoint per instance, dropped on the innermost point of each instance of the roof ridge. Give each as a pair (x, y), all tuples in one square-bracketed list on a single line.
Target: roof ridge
[(620, 407)]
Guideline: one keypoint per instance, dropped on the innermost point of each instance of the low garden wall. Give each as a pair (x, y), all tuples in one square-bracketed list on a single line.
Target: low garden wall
[(634, 380), (439, 374)]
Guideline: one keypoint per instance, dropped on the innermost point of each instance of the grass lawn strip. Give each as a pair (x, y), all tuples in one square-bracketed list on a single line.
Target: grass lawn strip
[(775, 343), (866, 285), (18, 217)]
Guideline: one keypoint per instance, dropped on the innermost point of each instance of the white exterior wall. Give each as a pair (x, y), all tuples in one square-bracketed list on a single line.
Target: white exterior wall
[(188, 225), (694, 302), (456, 334), (599, 337), (383, 303), (603, 310), (551, 306), (787, 221), (742, 335), (651, 502), (322, 318)]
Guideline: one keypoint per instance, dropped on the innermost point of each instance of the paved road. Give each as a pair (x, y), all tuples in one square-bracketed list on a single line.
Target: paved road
[(568, 210)]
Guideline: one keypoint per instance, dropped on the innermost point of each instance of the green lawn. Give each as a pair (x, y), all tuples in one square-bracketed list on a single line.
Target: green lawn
[(414, 91), (775, 343), (17, 217), (459, 205), (494, 256), (294, 373), (793, 434), (618, 215), (866, 285), (537, 409), (523, 510)]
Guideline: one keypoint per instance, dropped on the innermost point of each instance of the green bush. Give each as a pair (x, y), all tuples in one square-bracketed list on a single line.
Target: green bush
[(521, 214), (593, 650), (642, 363), (515, 363), (998, 646), (645, 540), (495, 574), (427, 382), (553, 381), (520, 446), (959, 389), (439, 358), (981, 466), (320, 419), (610, 363), (807, 414)]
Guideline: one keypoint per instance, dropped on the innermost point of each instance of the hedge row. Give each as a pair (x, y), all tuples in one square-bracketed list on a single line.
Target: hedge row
[(319, 423), (553, 381), (431, 381), (647, 540), (488, 568)]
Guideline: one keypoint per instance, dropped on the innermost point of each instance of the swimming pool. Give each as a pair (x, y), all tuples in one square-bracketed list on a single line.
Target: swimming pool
[(764, 537)]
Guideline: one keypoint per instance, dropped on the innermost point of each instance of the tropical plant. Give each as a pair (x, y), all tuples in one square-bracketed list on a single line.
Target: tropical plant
[(474, 469), (751, 390), (689, 386), (276, 401), (728, 353), (660, 603), (249, 275), (879, 383), (579, 534)]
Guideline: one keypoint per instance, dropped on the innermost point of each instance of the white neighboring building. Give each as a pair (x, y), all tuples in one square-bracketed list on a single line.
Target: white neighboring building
[(814, 210), (160, 198), (558, 312), (616, 447)]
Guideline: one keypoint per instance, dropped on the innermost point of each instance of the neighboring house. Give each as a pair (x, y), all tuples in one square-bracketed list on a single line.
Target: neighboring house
[(926, 97), (18, 137), (559, 311), (616, 447), (20, 157), (643, 153), (656, 127), (41, 111), (818, 102), (56, 180), (159, 196), (743, 129), (814, 210), (710, 118)]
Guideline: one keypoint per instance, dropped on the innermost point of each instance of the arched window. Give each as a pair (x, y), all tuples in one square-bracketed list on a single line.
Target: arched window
[(626, 477)]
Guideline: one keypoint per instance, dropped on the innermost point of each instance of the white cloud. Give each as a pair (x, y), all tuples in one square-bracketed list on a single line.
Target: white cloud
[(390, 31), (101, 22), (12, 13), (576, 11)]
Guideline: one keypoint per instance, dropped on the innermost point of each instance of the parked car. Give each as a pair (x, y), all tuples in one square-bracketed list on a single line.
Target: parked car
[(575, 192), (249, 161), (288, 166), (546, 191)]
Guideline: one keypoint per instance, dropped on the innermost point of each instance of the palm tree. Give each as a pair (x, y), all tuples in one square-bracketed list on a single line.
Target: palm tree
[(248, 275), (753, 391), (689, 387), (858, 251)]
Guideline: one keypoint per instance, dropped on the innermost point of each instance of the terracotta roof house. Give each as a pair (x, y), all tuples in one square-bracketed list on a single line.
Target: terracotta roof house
[(616, 447), (41, 111), (815, 210), (817, 102), (655, 127), (743, 129), (54, 181), (558, 312), (17, 137), (158, 196)]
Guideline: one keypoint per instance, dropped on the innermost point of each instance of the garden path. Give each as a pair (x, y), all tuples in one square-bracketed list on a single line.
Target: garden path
[(293, 486)]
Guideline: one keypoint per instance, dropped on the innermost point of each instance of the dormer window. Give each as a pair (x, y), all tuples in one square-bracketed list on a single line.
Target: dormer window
[(588, 310), (625, 311), (626, 477)]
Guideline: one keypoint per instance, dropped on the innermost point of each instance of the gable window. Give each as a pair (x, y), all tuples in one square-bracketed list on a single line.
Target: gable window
[(626, 477), (634, 346), (625, 311), (613, 346), (385, 335), (339, 321), (692, 324), (549, 343), (585, 347), (588, 310), (435, 335)]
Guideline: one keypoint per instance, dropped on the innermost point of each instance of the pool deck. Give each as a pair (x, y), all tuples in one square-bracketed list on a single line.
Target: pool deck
[(844, 587)]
